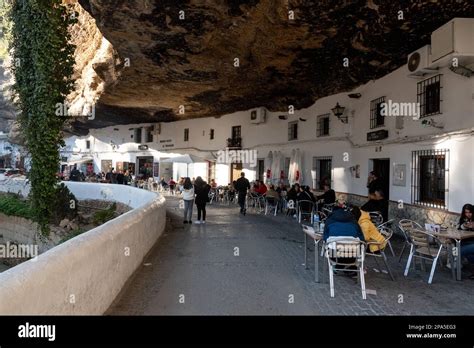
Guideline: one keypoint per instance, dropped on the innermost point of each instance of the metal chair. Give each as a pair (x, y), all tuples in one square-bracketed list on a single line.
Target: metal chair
[(380, 253), (256, 201), (386, 225), (376, 217), (345, 252), (291, 207), (305, 208), (271, 204), (327, 208), (404, 225), (421, 248)]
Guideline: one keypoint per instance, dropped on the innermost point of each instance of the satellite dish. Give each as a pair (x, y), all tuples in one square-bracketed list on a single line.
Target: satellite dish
[(414, 61)]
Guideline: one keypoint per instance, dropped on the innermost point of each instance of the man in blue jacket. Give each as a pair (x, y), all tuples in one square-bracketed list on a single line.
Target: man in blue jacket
[(341, 223)]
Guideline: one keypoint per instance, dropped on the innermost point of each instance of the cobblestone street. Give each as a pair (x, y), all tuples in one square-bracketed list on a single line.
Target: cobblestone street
[(194, 270)]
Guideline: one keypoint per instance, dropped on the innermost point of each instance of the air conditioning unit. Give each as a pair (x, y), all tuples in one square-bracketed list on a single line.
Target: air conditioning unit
[(418, 62), (455, 39), (258, 115)]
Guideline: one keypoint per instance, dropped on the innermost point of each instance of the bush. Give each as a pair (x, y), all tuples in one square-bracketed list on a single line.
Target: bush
[(14, 205), (73, 234), (64, 206), (103, 216)]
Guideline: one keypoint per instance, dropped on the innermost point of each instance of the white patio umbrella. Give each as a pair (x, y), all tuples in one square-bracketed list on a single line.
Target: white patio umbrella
[(291, 170), (298, 167), (187, 159), (276, 168), (268, 167)]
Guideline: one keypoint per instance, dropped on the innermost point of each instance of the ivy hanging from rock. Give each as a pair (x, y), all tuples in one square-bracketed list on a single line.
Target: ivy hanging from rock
[(42, 64)]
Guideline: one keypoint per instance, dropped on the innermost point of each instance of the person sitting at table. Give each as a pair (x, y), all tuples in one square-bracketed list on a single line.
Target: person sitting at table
[(466, 223), (371, 233), (329, 195), (281, 189), (341, 223), (231, 190), (305, 194), (261, 188), (213, 184), (272, 194)]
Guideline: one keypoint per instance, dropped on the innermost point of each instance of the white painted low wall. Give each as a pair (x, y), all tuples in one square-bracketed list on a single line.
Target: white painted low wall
[(85, 274)]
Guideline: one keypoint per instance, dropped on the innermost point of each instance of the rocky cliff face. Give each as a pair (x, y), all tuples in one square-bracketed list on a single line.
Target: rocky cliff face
[(7, 111), (184, 52), (141, 60)]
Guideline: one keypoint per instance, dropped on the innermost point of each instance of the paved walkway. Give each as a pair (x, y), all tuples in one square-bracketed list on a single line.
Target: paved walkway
[(198, 265)]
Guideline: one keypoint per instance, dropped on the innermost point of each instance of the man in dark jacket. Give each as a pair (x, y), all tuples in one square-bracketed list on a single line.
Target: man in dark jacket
[(75, 174), (375, 183), (341, 223), (241, 186), (329, 195)]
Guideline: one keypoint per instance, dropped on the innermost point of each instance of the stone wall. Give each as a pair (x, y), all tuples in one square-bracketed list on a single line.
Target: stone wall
[(417, 213), (19, 230)]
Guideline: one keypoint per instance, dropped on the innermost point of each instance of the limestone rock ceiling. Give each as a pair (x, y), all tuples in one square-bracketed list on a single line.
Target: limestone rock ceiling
[(190, 61)]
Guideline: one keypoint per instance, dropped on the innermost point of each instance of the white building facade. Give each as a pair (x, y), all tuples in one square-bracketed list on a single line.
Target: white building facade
[(422, 141)]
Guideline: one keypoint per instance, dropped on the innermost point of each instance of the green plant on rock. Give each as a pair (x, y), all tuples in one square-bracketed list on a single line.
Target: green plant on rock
[(65, 204), (14, 205), (42, 64), (103, 216)]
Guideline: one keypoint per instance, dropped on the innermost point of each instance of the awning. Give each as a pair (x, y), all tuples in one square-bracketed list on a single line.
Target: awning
[(184, 159), (78, 161)]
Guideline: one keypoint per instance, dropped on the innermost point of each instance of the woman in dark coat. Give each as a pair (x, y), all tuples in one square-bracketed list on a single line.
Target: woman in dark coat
[(201, 189)]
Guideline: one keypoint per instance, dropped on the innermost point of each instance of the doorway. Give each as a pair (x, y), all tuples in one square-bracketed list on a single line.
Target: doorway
[(236, 169), (322, 167), (145, 167), (261, 169), (382, 167), (106, 166)]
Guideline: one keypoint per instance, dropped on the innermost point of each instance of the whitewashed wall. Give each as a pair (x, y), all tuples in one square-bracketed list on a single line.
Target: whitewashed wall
[(457, 108), (85, 274)]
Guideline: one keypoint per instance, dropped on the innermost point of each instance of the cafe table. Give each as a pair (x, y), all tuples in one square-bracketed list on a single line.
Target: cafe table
[(452, 234), (317, 237)]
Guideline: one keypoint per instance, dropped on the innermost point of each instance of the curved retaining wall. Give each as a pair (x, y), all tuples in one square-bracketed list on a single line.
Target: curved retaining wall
[(85, 274)]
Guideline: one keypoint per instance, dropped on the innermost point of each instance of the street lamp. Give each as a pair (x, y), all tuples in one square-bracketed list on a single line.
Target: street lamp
[(338, 111)]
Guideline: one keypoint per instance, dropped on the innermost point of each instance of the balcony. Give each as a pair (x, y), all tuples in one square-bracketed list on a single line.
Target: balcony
[(234, 143)]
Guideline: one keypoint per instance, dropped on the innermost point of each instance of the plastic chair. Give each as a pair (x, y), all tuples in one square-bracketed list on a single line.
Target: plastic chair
[(380, 253), (421, 248), (346, 252)]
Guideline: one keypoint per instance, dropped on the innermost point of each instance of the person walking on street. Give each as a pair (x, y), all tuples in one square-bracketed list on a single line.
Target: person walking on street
[(201, 188), (188, 197), (242, 185)]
